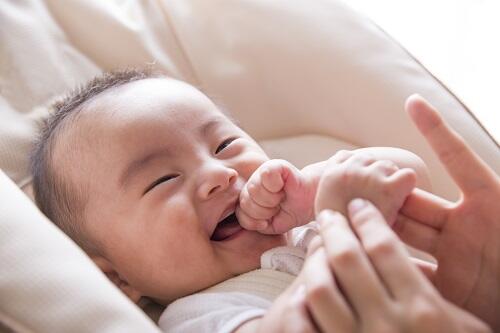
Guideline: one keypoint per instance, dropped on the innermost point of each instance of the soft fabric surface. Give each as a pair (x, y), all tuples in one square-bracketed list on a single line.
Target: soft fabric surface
[(47, 284), (305, 78)]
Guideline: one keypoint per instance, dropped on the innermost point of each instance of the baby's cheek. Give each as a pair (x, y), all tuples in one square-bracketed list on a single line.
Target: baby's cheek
[(250, 163)]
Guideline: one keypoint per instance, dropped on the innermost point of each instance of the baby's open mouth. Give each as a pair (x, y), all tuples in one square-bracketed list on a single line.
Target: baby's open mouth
[(226, 228)]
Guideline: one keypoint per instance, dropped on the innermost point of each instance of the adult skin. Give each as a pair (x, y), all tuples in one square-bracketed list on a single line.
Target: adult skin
[(463, 236), (380, 289), (374, 287)]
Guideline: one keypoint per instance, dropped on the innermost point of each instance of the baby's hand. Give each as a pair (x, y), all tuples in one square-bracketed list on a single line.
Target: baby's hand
[(359, 175), (276, 198)]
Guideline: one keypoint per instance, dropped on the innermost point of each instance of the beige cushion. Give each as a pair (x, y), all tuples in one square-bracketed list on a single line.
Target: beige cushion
[(305, 78), (47, 284)]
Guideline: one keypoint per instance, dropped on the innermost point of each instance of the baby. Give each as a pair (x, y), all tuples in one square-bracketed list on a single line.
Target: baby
[(169, 197)]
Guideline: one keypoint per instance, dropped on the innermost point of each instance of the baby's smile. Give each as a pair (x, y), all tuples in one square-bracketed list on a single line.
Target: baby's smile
[(226, 225), (226, 228)]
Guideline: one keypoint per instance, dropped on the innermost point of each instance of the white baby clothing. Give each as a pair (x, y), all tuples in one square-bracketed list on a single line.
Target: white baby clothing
[(226, 306)]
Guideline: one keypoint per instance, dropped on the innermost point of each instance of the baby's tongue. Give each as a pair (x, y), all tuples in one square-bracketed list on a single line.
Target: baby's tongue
[(226, 228)]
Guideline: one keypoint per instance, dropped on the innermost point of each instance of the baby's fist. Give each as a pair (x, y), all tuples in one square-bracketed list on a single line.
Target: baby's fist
[(275, 199)]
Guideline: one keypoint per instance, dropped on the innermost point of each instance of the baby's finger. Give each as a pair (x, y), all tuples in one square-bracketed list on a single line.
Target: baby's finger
[(384, 167), (361, 159), (272, 176), (406, 178), (255, 211), (340, 157), (282, 222), (261, 196), (249, 223)]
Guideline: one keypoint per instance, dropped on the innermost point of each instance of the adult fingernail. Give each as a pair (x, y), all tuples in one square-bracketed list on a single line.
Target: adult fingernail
[(356, 205), (324, 215)]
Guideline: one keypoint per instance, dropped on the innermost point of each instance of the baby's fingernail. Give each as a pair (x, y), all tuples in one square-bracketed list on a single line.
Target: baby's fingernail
[(261, 225), (356, 205)]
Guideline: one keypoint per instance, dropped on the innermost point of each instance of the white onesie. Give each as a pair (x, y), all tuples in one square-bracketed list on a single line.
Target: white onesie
[(224, 307)]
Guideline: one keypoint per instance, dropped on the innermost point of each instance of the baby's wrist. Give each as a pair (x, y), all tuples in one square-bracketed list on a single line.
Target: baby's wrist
[(312, 175), (312, 189)]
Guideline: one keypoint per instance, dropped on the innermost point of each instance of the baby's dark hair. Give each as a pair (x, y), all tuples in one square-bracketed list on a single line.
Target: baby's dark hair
[(57, 197)]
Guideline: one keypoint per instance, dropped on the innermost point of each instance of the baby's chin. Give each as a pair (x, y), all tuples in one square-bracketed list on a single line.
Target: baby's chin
[(245, 250), (241, 257)]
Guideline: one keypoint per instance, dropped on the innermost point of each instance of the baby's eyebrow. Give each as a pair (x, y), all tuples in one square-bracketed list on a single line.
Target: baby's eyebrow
[(138, 164), (210, 125)]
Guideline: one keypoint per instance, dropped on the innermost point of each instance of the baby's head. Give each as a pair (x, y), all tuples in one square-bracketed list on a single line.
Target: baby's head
[(139, 170)]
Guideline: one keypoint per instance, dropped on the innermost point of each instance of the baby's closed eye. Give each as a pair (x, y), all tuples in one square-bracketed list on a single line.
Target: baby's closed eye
[(159, 181), (224, 145)]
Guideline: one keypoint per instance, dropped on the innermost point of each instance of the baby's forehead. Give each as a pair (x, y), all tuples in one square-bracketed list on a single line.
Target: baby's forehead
[(153, 98), (144, 109)]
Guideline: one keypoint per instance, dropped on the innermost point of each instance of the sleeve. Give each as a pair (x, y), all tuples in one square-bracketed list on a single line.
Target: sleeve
[(302, 236), (215, 312)]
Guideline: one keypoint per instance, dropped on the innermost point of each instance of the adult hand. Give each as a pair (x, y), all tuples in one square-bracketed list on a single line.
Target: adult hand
[(463, 236), (288, 314), (374, 286)]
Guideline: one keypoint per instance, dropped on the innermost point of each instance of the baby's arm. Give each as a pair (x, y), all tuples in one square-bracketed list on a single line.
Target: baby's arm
[(279, 197), (385, 176), (401, 157)]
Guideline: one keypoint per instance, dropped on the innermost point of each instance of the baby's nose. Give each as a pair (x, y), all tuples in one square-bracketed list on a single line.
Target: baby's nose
[(216, 178)]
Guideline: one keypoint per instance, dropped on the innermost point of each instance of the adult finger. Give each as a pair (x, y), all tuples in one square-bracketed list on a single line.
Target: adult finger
[(298, 319), (328, 308), (466, 168), (416, 234), (386, 252), (289, 312), (315, 244), (427, 208), (426, 267), (351, 266)]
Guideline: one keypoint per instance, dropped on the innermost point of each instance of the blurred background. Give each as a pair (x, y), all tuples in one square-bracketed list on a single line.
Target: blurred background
[(457, 40)]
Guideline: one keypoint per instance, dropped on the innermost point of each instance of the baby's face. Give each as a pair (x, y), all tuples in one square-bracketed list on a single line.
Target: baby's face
[(163, 167)]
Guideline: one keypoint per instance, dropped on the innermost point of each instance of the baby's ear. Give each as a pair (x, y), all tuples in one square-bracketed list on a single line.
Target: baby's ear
[(107, 268)]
